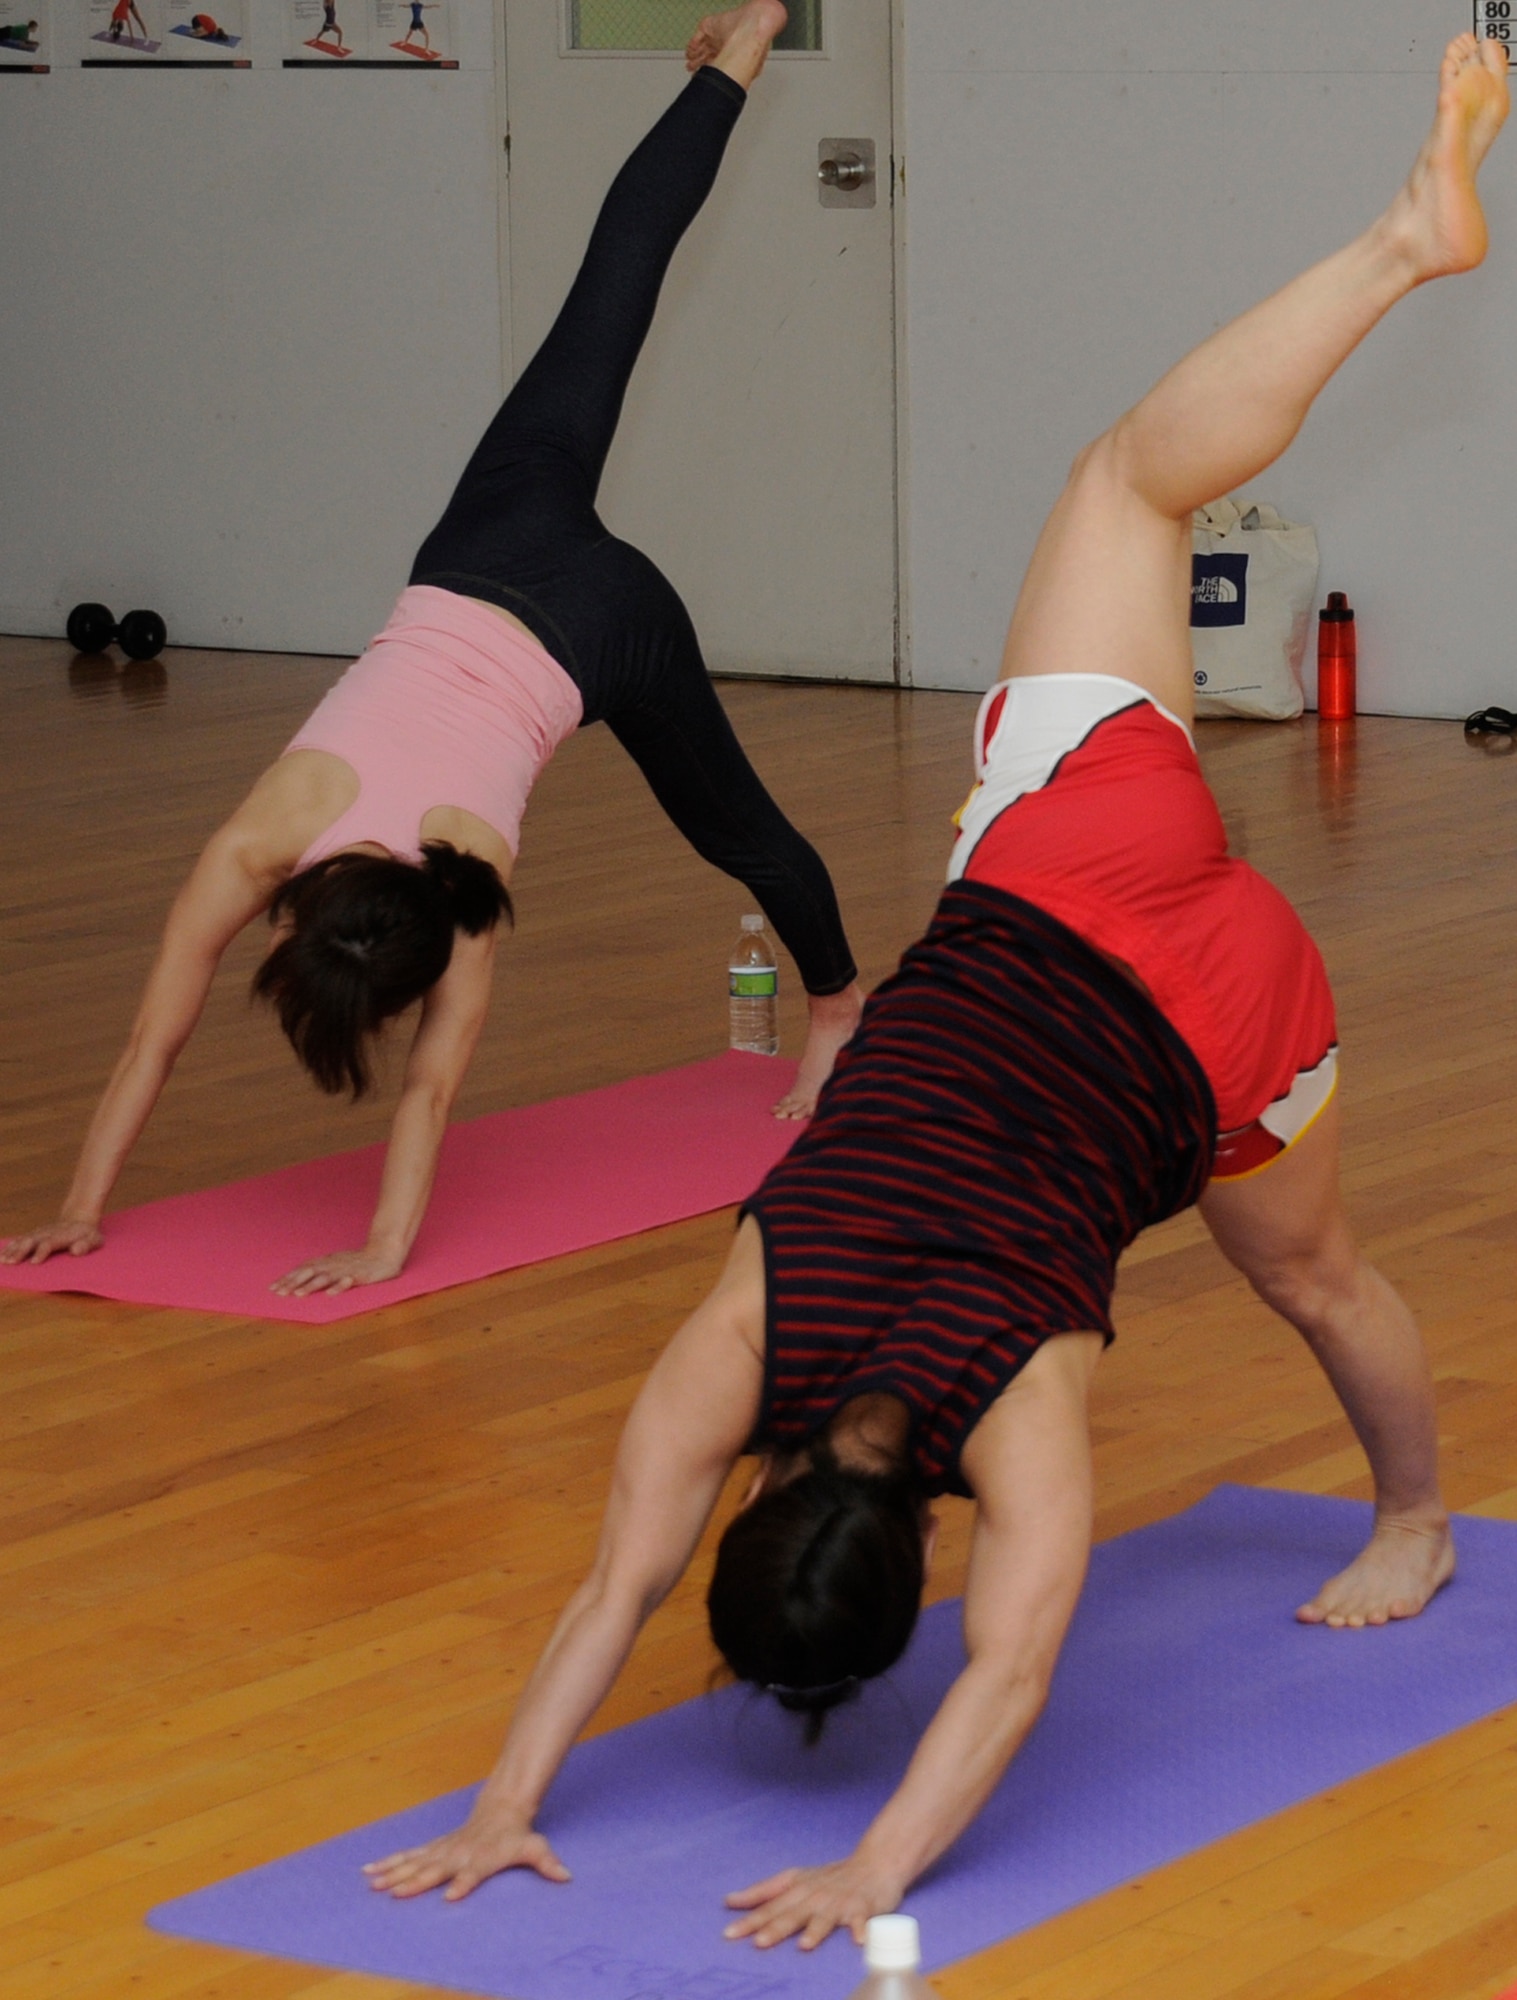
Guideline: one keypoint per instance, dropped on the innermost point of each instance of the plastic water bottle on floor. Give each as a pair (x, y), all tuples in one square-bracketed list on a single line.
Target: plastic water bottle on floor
[(893, 1961), (753, 986)]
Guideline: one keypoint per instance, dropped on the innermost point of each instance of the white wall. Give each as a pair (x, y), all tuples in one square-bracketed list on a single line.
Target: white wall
[(251, 322), (1092, 187), (251, 326)]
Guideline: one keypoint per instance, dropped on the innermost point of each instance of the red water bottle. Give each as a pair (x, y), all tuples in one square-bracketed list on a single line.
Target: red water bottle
[(1337, 660)]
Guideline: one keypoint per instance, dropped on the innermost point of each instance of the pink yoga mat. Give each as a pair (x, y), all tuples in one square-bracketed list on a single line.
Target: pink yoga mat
[(513, 1188)]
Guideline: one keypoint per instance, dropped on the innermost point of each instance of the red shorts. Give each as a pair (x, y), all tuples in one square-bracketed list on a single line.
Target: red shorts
[(1091, 804)]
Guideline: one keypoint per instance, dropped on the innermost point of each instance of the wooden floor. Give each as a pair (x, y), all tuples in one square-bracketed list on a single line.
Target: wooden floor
[(263, 1582)]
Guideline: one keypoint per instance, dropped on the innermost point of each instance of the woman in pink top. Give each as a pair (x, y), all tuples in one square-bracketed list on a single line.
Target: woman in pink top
[(381, 843)]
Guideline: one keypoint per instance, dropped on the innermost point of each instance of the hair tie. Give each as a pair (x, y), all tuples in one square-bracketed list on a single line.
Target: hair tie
[(819, 1693)]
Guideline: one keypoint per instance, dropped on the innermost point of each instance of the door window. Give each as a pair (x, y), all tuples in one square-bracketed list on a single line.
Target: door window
[(636, 26)]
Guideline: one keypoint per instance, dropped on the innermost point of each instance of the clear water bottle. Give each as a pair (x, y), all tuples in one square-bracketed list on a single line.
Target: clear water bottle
[(753, 987), (893, 1961)]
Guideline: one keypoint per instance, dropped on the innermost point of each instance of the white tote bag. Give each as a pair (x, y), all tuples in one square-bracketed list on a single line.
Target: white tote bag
[(1253, 584)]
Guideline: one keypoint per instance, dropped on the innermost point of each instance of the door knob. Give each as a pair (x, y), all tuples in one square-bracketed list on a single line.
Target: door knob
[(845, 173)]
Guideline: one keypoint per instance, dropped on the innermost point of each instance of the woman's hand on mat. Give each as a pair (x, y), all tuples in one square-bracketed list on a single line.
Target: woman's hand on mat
[(815, 1902), (339, 1273), (464, 1859), (77, 1238)]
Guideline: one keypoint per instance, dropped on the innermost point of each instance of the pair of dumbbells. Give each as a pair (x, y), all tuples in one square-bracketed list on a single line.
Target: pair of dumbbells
[(141, 635)]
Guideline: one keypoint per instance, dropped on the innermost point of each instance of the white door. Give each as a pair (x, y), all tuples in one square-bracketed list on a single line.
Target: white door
[(756, 457)]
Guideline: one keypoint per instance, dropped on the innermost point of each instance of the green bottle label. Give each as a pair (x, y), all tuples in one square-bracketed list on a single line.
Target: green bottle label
[(754, 985)]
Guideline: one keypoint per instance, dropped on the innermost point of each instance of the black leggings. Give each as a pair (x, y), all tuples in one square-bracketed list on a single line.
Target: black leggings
[(521, 531)]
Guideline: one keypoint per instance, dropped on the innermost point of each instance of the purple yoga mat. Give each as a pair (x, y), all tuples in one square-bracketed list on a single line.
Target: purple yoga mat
[(1188, 1703)]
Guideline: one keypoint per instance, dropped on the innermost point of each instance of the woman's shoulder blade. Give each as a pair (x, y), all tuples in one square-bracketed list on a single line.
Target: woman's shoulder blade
[(291, 805)]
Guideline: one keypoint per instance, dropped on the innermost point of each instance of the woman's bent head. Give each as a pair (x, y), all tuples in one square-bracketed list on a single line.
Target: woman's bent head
[(818, 1583), (364, 936)]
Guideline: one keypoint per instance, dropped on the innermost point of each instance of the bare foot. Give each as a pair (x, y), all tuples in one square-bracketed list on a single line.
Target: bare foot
[(1394, 1576), (1437, 218), (834, 1016), (738, 41)]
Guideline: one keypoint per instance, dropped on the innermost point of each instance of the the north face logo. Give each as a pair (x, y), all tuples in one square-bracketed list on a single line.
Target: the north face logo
[(1219, 590)]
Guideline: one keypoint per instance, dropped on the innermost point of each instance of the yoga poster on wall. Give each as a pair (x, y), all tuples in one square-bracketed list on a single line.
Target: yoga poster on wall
[(415, 32), (197, 36), (25, 40), (323, 33), (172, 33), (129, 31), (370, 34)]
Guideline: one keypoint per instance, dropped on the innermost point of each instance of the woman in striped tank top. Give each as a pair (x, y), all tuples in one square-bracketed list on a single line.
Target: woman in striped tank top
[(1107, 1021)]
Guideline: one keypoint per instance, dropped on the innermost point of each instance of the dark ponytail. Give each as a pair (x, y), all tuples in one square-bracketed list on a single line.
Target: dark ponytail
[(368, 935), (818, 1583), (477, 899)]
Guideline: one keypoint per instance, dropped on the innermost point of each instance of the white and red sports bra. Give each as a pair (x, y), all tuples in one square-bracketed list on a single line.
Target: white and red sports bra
[(1092, 805)]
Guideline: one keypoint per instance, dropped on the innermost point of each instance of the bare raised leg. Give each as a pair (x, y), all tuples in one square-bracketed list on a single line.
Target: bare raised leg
[(1107, 588), (1286, 1231), (834, 1016), (738, 41)]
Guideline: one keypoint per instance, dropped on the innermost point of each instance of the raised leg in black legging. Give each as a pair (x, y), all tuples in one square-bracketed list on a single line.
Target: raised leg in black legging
[(571, 392), (569, 397)]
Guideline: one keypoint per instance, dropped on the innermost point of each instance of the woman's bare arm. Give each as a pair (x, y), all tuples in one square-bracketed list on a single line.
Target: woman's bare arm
[(1028, 1462), (452, 1016), (685, 1432), (225, 891)]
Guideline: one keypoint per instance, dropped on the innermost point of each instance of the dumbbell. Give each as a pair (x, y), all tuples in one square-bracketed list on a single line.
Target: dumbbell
[(141, 635)]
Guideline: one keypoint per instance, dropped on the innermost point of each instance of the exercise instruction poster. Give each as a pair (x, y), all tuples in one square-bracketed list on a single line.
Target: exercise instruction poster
[(167, 33), (196, 35), (370, 34), (129, 31), (25, 34), (324, 33), (416, 32)]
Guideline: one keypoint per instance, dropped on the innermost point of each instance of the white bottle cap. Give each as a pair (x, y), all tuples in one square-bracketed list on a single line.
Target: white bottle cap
[(753, 923), (892, 1944)]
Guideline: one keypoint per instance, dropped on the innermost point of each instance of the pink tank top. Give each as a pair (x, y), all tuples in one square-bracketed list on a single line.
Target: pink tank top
[(450, 706)]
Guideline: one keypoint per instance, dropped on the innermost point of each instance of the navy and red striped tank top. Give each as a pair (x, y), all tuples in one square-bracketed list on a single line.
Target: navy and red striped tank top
[(1009, 1116)]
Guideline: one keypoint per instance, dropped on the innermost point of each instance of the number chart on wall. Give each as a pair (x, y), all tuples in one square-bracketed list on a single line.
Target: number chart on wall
[(1493, 22)]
